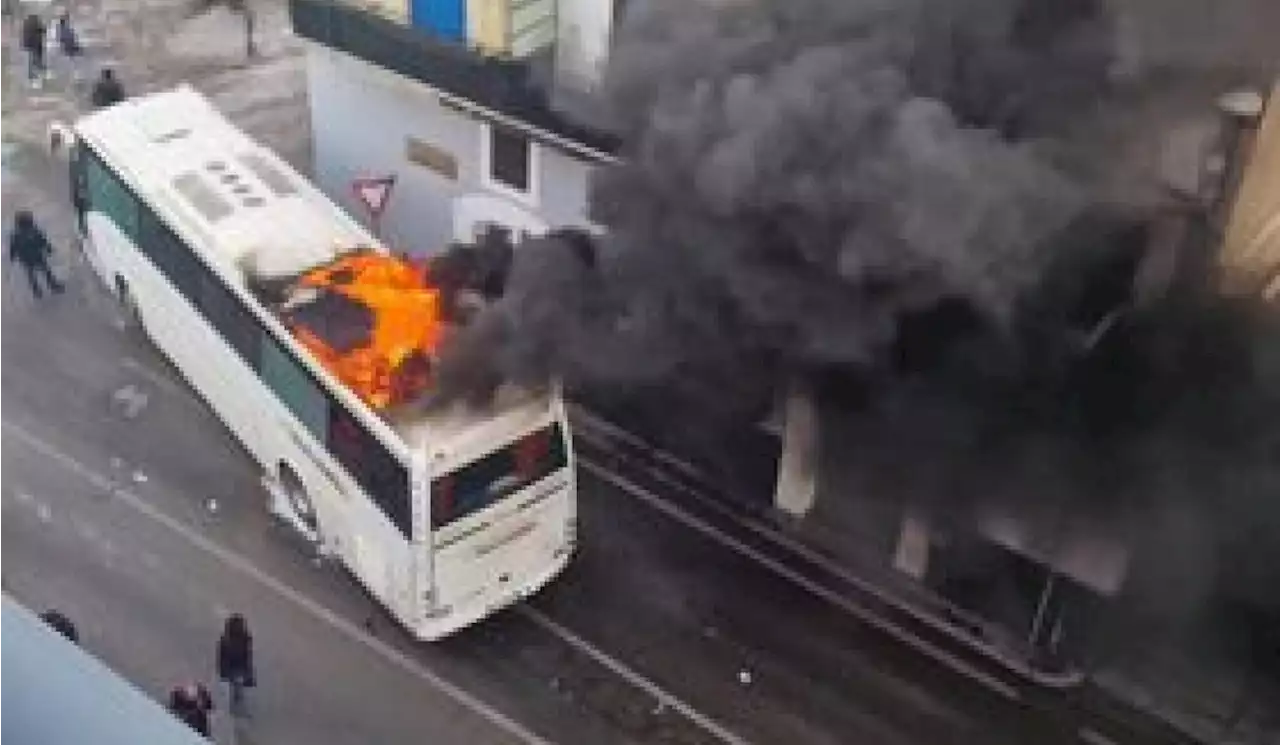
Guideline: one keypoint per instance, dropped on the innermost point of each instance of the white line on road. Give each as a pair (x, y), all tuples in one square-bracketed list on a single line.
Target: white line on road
[(778, 568), (631, 676), (243, 566)]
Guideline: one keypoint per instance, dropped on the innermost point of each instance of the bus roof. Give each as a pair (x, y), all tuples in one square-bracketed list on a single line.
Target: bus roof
[(60, 695), (253, 213), (249, 207)]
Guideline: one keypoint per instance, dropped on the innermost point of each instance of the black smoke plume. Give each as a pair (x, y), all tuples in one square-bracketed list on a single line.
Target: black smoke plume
[(801, 175), (899, 200)]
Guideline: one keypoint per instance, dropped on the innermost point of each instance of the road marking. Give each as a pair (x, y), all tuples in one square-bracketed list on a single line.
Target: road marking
[(785, 572), (631, 676), (243, 566), (159, 379)]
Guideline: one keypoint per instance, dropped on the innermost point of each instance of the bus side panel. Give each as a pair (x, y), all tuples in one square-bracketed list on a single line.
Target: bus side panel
[(231, 388), (260, 422), (93, 251), (104, 247), (182, 335)]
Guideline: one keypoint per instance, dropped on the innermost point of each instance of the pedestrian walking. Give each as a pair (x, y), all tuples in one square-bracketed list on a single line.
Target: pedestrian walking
[(191, 704), (107, 91), (33, 31), (29, 246), (235, 662), (69, 44), (61, 624)]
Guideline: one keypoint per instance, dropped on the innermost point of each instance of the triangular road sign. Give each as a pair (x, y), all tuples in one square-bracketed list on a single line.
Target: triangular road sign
[(374, 193)]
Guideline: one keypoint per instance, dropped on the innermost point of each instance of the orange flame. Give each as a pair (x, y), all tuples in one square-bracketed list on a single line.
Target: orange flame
[(394, 364)]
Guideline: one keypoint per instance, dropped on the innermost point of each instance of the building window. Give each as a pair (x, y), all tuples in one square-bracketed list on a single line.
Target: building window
[(510, 161)]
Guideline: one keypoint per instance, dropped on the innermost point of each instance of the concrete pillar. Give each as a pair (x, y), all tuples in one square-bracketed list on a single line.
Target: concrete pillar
[(797, 486), (1240, 114), (912, 555)]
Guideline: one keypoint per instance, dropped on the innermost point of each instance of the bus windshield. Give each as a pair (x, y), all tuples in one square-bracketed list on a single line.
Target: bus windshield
[(503, 472)]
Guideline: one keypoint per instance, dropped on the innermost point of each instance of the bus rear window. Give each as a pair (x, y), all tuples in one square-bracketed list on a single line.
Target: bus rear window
[(497, 475)]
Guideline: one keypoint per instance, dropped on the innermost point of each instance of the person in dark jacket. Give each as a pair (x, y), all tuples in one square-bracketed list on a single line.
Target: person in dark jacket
[(235, 662), (33, 31), (107, 91), (69, 42), (61, 624), (191, 704), (29, 246)]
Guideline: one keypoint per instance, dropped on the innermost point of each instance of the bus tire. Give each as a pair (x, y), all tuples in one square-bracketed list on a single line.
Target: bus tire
[(299, 503)]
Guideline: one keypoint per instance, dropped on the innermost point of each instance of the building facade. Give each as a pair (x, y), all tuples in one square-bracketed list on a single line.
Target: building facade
[(453, 115)]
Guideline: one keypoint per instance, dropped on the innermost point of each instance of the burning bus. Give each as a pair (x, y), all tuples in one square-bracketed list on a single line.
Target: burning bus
[(319, 350)]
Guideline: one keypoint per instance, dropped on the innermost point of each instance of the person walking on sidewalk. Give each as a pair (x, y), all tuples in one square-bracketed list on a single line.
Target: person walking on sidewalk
[(191, 704), (33, 31), (69, 43), (107, 91), (29, 247), (235, 662)]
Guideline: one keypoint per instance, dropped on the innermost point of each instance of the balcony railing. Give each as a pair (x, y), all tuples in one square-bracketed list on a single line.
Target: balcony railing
[(504, 86)]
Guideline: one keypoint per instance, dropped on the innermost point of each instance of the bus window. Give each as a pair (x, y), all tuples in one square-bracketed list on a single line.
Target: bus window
[(230, 318), (109, 196), (294, 386), (378, 472), (170, 255), (477, 485)]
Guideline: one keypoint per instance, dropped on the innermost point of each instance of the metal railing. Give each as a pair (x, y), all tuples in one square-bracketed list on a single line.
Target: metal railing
[(502, 85)]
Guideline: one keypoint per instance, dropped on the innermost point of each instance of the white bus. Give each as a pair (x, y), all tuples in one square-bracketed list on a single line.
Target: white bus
[(444, 513)]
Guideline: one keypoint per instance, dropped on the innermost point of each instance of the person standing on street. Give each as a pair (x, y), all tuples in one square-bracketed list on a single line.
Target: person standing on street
[(107, 91), (235, 662), (29, 246), (33, 31), (69, 43), (191, 704)]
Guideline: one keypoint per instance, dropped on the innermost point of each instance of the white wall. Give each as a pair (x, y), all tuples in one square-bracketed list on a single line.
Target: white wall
[(361, 119)]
